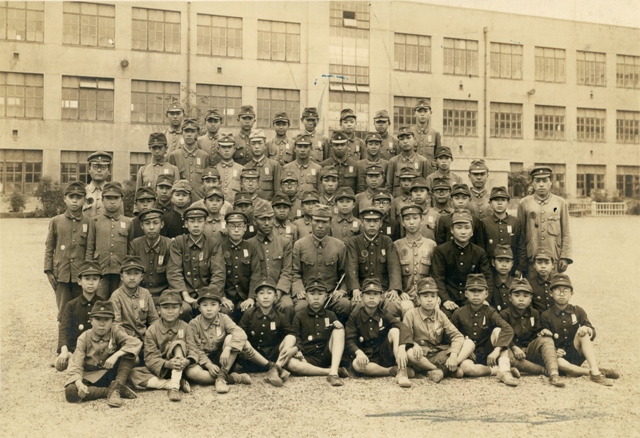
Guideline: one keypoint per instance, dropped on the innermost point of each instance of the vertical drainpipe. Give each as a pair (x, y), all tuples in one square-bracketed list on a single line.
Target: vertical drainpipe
[(484, 103), (189, 58)]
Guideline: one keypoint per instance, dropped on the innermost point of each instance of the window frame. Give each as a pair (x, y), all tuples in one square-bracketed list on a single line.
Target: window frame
[(400, 52), (264, 116), (103, 94), (32, 22), (502, 118), (167, 98), (209, 101), (503, 62), (28, 159), (629, 125), (26, 93), (589, 126), (83, 28), (589, 72), (463, 57), (289, 41), (211, 32), (461, 121), (628, 62), (554, 66), (543, 120), (172, 27)]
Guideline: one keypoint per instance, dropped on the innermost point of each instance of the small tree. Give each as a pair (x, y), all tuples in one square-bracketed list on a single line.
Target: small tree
[(51, 196), (128, 200), (17, 201), (519, 182)]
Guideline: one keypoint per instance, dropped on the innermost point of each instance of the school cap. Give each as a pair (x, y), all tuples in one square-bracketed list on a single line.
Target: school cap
[(443, 151), (213, 114), (328, 171), (112, 188), (104, 309), (422, 103), (208, 293), (503, 252), (310, 195), (151, 213), (440, 183), (382, 194), (460, 189), (181, 186), (132, 262), (476, 282), (419, 183), (236, 216), (242, 198), (210, 172), (257, 134), (175, 106), (407, 172), (263, 210), (410, 209), (373, 136), (371, 285), (499, 192), (157, 139), (214, 191), (249, 172), (346, 113), (89, 268), (478, 166), (226, 139), (281, 117), (145, 192), (164, 180), (322, 212), (246, 110), (374, 169), (170, 296), (520, 285), (543, 253), (345, 192), (371, 213), (460, 217), (288, 175), (76, 188), (194, 212), (541, 172), (404, 130), (381, 115), (560, 280), (280, 198), (99, 157), (338, 137), (426, 285), (302, 140), (266, 282), (190, 123), (310, 112), (316, 287)]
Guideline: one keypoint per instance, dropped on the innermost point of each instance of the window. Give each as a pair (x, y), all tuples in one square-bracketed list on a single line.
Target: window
[(89, 24), (628, 181), (628, 127), (136, 161), (590, 124), (506, 120), (87, 99), (506, 61), (226, 99), (149, 100), (20, 171), (22, 21), (21, 95), (349, 43), (628, 71), (412, 52), (591, 68), (74, 166), (403, 114), (589, 178), (460, 118), (549, 122), (550, 65), (359, 102), (155, 30), (460, 57), (557, 177), (278, 41), (271, 101), (219, 36)]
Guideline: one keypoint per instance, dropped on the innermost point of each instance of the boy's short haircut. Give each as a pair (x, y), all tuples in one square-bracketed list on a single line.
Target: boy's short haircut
[(520, 285)]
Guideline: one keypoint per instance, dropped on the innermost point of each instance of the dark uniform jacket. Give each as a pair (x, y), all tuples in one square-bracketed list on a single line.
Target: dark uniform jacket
[(525, 324), (565, 323), (368, 333), (66, 246), (242, 267), (75, 321), (194, 265), (478, 326), (373, 258), (313, 330)]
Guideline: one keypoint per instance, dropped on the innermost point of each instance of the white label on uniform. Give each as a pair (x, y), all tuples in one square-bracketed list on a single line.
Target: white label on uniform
[(235, 173), (350, 169), (160, 260), (223, 226), (313, 171), (286, 146), (219, 331), (319, 144), (533, 320), (430, 219), (357, 148), (141, 303), (384, 252), (84, 228), (198, 161), (335, 210), (123, 225), (62, 247), (429, 137), (355, 224), (415, 165), (288, 229), (388, 230), (326, 322), (574, 319), (273, 325), (245, 252), (166, 171), (266, 171), (180, 333), (298, 213), (381, 324), (484, 320), (250, 230), (201, 256), (181, 140)]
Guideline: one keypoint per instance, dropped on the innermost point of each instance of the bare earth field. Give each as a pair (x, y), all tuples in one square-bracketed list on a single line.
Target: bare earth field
[(605, 277)]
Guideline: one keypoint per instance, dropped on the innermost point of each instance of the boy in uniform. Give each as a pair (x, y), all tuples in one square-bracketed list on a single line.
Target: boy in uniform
[(246, 119), (109, 237), (308, 201), (250, 183), (444, 158), (406, 177), (390, 147), (342, 161), (390, 227), (540, 280), (210, 179), (289, 186), (190, 160), (429, 326), (441, 200), (428, 140), (430, 217), (269, 170), (99, 165), (480, 204), (174, 218), (375, 340), (145, 199), (406, 158), (173, 133), (328, 185), (374, 178), (502, 262), (164, 184), (373, 144), (149, 173), (302, 170), (460, 197), (345, 225), (355, 146), (280, 148), (573, 334), (245, 205), (214, 202), (319, 143), (102, 362), (228, 169), (282, 225), (209, 141)]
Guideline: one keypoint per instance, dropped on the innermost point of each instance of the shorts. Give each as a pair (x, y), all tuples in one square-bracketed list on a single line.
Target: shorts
[(573, 356), (481, 353), (383, 356), (271, 354), (438, 356), (319, 358)]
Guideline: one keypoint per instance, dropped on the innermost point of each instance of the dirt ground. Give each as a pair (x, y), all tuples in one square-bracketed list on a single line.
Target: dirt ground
[(607, 261)]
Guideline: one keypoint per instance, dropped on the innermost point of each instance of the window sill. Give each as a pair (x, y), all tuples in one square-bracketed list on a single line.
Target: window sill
[(88, 121), (88, 47), (277, 60), (218, 56), (156, 51), (505, 79), (549, 139), (461, 74), (413, 71)]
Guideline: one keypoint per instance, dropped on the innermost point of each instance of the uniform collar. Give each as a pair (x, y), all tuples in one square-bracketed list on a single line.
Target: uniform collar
[(424, 315), (302, 166), (135, 294), (410, 159), (113, 217), (244, 136), (85, 302), (269, 238), (164, 329), (155, 247), (478, 194), (364, 316), (368, 242), (416, 242), (175, 131), (105, 338), (234, 246), (426, 128), (215, 218), (162, 162), (92, 188), (319, 243), (461, 248), (271, 315), (214, 137), (282, 140), (541, 281), (544, 200), (568, 309), (498, 282), (497, 219), (526, 313), (260, 162), (186, 153), (199, 243), (329, 201), (340, 163), (207, 325), (320, 312), (229, 163), (349, 218), (68, 214)]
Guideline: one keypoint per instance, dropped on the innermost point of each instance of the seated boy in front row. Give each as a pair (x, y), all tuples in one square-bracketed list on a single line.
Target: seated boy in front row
[(490, 333), (573, 334), (429, 326), (103, 360), (377, 340)]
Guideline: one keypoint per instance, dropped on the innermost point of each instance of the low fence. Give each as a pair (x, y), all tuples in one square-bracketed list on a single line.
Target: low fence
[(587, 208)]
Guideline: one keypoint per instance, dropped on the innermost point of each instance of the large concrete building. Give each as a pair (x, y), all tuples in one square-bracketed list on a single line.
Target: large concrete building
[(519, 90)]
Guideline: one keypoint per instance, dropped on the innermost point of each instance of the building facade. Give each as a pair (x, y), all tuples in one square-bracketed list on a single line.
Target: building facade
[(519, 90)]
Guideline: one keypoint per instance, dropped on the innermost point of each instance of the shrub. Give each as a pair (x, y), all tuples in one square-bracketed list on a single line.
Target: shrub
[(129, 188), (17, 201), (633, 207), (51, 196), (520, 183)]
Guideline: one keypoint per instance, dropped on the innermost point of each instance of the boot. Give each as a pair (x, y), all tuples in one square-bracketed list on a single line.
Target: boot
[(221, 382), (609, 373), (506, 378), (554, 380), (113, 396), (273, 377), (435, 376), (239, 379), (529, 367), (96, 393)]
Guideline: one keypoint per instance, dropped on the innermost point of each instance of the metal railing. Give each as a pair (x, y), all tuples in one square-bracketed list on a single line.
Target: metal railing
[(592, 208)]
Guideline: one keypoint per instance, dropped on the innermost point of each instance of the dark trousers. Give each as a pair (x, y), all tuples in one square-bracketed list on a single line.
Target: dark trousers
[(100, 388)]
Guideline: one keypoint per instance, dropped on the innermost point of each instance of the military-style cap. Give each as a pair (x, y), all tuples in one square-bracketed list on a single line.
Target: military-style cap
[(407, 172), (303, 140), (165, 180), (560, 280), (381, 115), (404, 131), (181, 186), (280, 198), (132, 262), (543, 253), (316, 287), (370, 285), (339, 137), (426, 285), (499, 192), (214, 191), (170, 296), (476, 282), (112, 188), (520, 285), (541, 172), (246, 110), (310, 113), (264, 209), (100, 157), (89, 268), (288, 175), (226, 139), (410, 209), (419, 183), (373, 136), (381, 195), (236, 216), (175, 106), (208, 293), (374, 169), (194, 212), (310, 195), (249, 172), (281, 117), (103, 309), (145, 192), (478, 166), (461, 216), (190, 123), (345, 192), (266, 282), (346, 113), (440, 183), (210, 172), (213, 114), (257, 134), (328, 171), (460, 189), (151, 213), (371, 213), (422, 103), (503, 252), (443, 151), (242, 198), (157, 139), (75, 187), (321, 212)]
